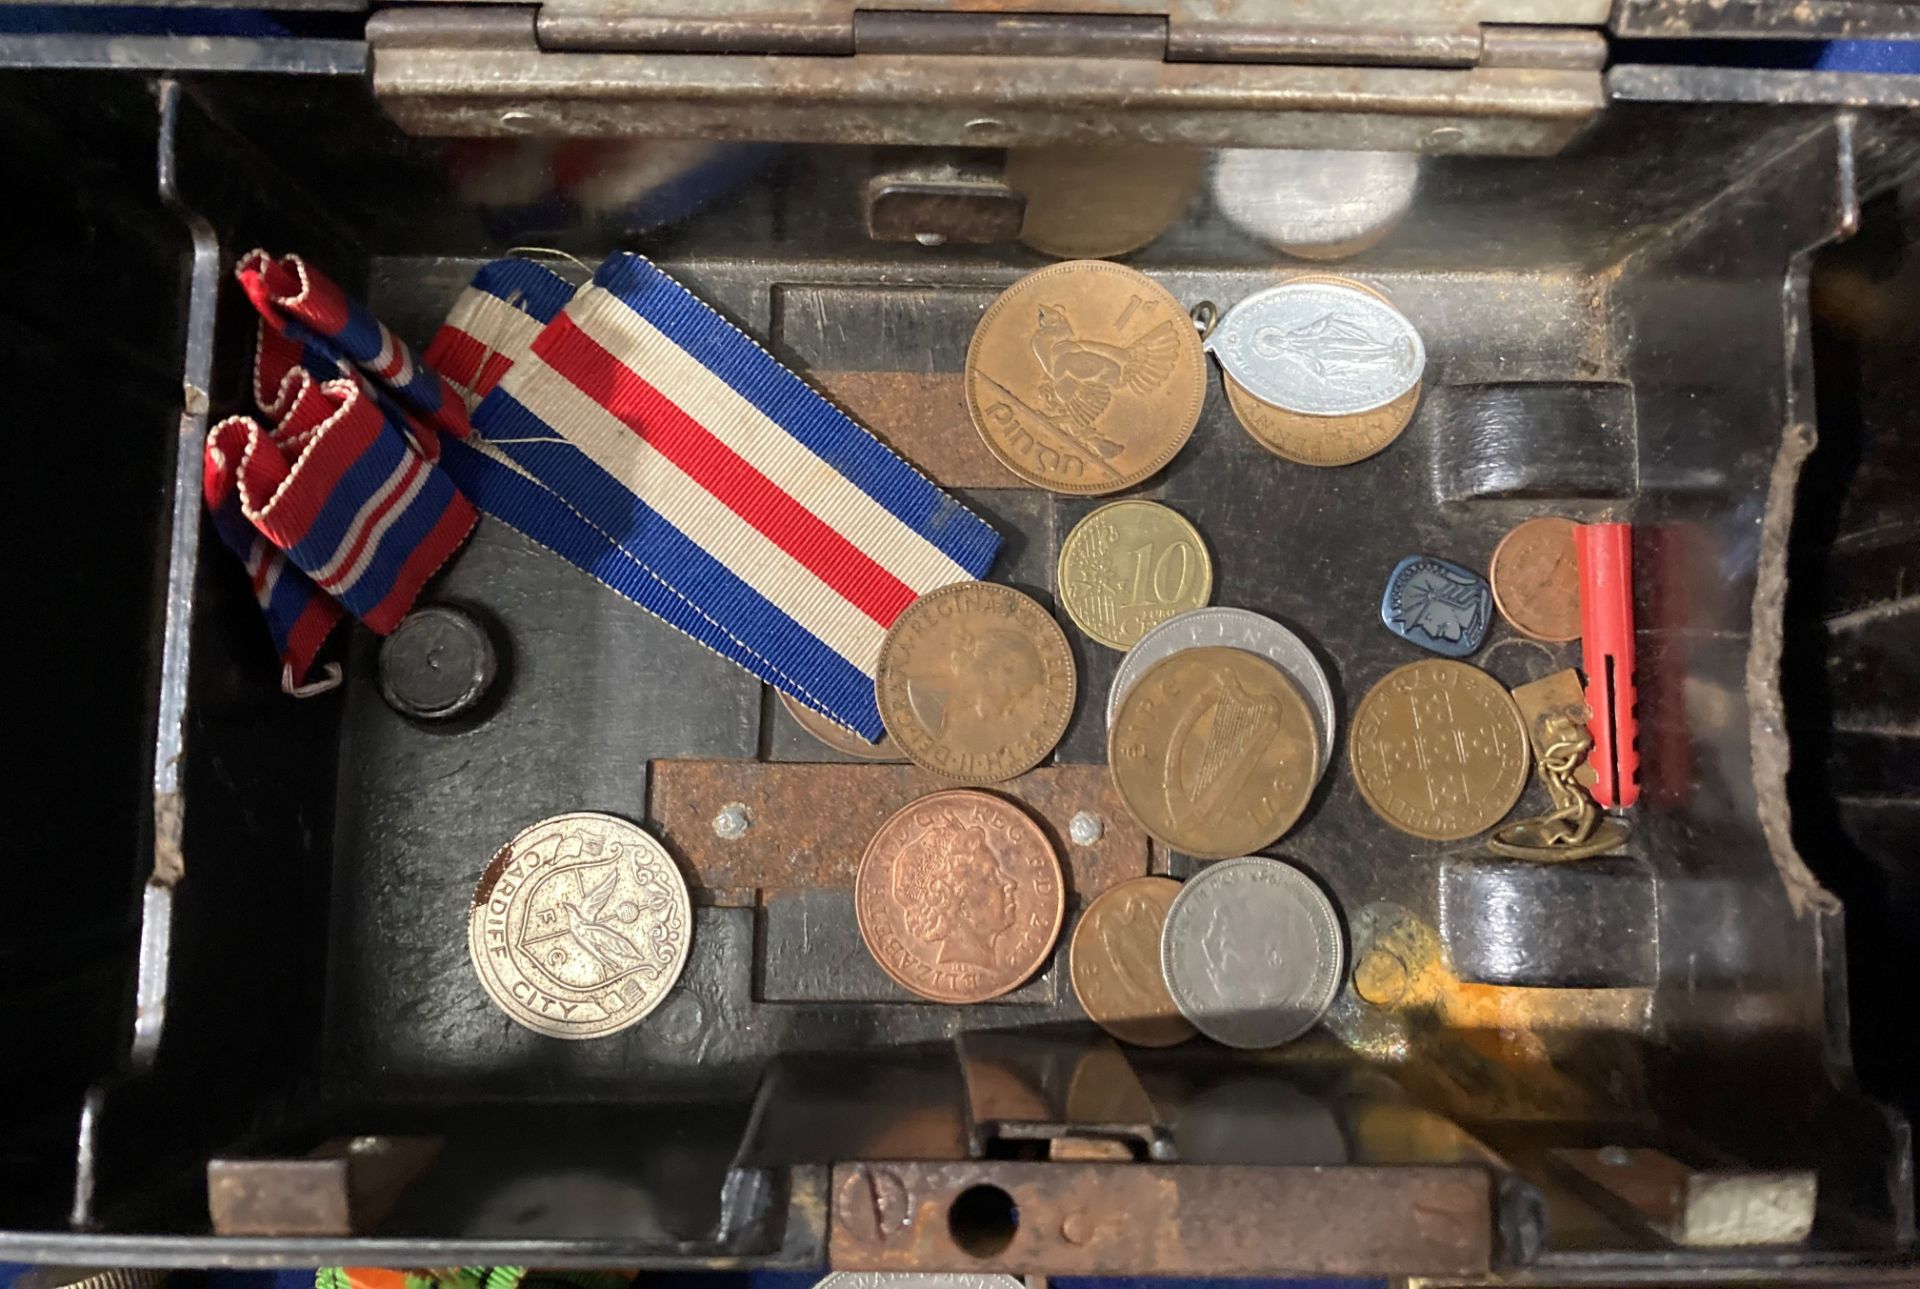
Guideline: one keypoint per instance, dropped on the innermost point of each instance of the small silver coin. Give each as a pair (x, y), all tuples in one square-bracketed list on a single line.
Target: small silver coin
[(1317, 205), (1252, 952), (1319, 348), (917, 1280), (1235, 629)]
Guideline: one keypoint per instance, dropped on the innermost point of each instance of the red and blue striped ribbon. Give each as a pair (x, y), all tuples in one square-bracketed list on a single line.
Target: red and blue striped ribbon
[(634, 431), (334, 334), (361, 519), (338, 507)]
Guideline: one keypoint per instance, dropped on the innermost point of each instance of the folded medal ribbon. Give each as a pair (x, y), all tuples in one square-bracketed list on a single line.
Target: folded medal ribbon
[(650, 442), (307, 321), (339, 506)]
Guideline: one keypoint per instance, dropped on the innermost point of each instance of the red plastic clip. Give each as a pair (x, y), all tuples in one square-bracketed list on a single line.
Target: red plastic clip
[(1606, 626)]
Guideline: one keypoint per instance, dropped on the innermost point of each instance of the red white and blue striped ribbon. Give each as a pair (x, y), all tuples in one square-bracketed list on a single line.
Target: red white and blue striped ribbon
[(633, 430), (338, 506)]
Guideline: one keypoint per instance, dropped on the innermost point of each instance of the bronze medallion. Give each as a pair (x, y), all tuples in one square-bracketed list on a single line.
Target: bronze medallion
[(1321, 440), (579, 926), (959, 897), (1086, 377), (975, 682), (1536, 579), (834, 734), (1439, 750), (1215, 752), (1114, 963), (1128, 567), (1092, 201)]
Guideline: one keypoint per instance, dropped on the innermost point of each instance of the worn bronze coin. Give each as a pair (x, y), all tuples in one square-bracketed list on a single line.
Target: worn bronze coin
[(579, 926), (1114, 963), (975, 682), (1085, 377), (1215, 752), (1320, 440), (1536, 579), (1439, 749), (835, 735), (1128, 567), (1091, 201), (959, 897)]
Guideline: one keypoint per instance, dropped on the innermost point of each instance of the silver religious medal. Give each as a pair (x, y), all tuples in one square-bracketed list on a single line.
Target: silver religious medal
[(1319, 348)]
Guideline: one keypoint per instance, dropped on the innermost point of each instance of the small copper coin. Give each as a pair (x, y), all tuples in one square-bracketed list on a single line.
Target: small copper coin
[(1439, 750), (1215, 752), (1536, 579), (1114, 963), (959, 897), (834, 734), (975, 682), (579, 926), (1085, 377)]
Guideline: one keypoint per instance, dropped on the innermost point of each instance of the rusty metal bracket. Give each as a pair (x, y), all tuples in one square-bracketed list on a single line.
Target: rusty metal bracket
[(346, 1186), (802, 826), (1063, 1218), (1696, 1208)]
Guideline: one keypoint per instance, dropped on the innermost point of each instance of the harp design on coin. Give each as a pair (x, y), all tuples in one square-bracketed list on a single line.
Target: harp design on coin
[(1216, 743), (1137, 922), (1333, 346)]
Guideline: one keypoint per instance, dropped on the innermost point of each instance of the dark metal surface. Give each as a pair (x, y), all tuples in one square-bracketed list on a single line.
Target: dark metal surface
[(1586, 923), (1091, 1219), (1588, 448)]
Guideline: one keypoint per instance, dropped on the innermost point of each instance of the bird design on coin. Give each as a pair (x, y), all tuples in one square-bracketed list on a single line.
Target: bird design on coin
[(1082, 374)]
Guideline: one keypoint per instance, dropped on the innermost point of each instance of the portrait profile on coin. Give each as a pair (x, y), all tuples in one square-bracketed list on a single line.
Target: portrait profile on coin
[(955, 894), (959, 896), (984, 677), (975, 681)]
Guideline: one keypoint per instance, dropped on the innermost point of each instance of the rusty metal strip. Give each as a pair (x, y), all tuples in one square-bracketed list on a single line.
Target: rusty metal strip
[(923, 417), (347, 1186), (1065, 1218), (808, 824)]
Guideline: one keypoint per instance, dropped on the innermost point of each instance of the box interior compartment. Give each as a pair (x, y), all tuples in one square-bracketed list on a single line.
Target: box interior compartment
[(1619, 331)]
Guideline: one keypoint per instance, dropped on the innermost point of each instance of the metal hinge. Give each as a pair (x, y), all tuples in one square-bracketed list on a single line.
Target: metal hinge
[(1492, 33), (1504, 77)]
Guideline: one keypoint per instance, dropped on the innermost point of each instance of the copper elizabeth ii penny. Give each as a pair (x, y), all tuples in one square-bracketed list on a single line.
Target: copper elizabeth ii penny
[(1536, 579), (959, 897)]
